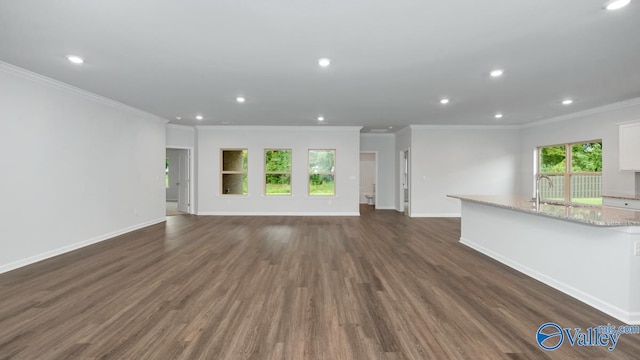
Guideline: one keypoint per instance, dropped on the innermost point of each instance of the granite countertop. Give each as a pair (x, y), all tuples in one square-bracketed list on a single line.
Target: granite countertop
[(625, 197), (592, 215)]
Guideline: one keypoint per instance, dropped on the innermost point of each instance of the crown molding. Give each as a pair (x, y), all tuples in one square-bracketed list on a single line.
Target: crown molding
[(180, 127), (406, 129), (70, 89), (593, 111), (278, 128), (629, 122), (464, 127), (377, 134)]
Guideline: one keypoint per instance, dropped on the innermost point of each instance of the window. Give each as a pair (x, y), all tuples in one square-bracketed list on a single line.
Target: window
[(234, 172), (322, 172), (277, 169), (575, 171)]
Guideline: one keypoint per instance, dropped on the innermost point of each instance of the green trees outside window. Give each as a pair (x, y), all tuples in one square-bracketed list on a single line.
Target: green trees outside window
[(575, 170), (277, 165), (322, 172)]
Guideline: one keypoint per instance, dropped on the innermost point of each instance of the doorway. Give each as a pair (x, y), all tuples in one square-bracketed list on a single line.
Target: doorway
[(178, 181), (405, 186), (368, 177)]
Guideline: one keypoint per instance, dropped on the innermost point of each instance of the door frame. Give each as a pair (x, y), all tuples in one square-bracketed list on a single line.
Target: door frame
[(401, 187), (377, 180), (190, 206)]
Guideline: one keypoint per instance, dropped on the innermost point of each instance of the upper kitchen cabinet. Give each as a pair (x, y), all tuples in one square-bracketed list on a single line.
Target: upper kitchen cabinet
[(630, 147)]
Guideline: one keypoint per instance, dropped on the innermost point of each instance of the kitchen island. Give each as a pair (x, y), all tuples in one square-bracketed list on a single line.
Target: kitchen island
[(588, 252)]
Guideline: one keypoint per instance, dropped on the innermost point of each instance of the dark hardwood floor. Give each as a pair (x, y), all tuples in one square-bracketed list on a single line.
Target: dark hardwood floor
[(381, 286)]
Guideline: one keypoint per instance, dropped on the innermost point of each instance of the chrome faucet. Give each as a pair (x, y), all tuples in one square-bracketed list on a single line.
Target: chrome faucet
[(539, 177)]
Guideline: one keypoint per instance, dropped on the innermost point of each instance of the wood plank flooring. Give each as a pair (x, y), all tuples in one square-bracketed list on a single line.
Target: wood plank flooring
[(381, 286)]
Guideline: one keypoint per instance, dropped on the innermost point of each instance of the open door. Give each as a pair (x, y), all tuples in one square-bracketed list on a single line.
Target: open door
[(405, 175), (368, 177), (183, 181)]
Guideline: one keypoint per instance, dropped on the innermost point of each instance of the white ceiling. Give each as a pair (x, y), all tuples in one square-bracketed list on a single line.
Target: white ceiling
[(391, 60)]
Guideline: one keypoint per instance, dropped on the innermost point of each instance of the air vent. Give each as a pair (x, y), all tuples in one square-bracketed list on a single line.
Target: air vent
[(378, 130)]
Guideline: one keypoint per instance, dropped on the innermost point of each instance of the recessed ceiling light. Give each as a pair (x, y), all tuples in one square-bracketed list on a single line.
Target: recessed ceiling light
[(498, 116), (240, 99), (496, 72), (615, 4), (178, 118), (390, 127), (324, 62), (567, 102), (199, 117), (320, 118), (225, 123), (75, 59), (444, 101)]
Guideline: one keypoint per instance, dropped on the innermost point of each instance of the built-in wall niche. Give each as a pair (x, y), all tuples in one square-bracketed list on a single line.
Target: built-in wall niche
[(234, 172)]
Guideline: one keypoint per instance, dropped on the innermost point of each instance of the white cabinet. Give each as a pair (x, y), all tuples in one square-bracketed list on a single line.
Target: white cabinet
[(621, 203), (629, 154)]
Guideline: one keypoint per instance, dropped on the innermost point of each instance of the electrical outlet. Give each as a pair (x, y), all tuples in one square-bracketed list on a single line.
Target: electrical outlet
[(636, 249)]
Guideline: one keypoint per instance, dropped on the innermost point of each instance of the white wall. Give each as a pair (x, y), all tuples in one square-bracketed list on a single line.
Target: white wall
[(460, 160), (346, 141), (384, 144), (403, 142), (180, 136), (600, 123), (174, 171), (82, 168)]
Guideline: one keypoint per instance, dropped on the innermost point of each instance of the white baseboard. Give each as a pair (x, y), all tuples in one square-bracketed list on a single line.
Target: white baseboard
[(385, 207), (217, 213), (417, 215), (605, 307), (33, 259)]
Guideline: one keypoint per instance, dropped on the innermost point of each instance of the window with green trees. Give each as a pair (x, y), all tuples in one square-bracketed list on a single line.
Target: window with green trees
[(234, 172), (575, 171), (277, 166), (322, 172)]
